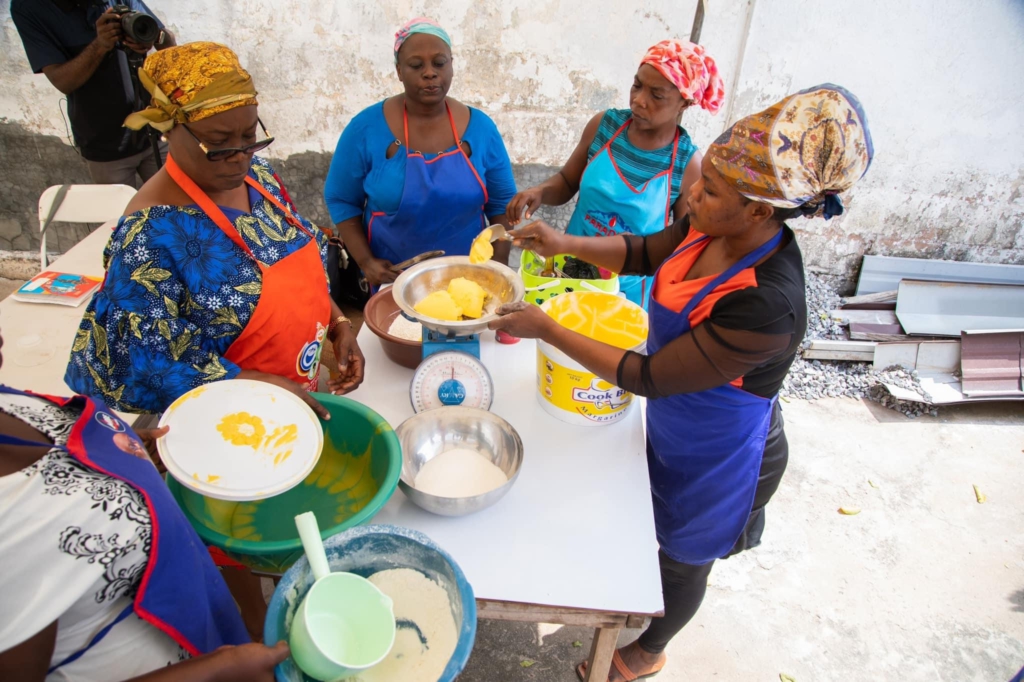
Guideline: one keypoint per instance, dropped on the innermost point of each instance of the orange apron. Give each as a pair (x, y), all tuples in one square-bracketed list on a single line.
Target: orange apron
[(287, 329)]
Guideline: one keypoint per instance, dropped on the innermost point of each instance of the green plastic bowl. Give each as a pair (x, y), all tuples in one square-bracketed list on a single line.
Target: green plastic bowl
[(355, 477), (540, 289)]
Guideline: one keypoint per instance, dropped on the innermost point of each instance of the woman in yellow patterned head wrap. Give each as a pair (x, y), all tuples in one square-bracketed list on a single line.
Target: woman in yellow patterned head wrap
[(211, 274)]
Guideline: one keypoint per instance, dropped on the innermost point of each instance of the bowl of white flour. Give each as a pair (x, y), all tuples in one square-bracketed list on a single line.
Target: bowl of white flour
[(435, 609), (458, 460)]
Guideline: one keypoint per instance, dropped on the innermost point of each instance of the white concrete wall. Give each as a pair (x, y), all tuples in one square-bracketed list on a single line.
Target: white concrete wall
[(942, 82)]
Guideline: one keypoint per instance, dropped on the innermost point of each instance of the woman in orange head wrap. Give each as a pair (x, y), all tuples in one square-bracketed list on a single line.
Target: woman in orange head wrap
[(633, 167)]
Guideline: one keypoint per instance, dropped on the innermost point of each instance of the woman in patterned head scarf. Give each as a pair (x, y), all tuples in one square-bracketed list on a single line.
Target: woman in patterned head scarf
[(211, 273), (419, 171), (727, 318), (633, 167)]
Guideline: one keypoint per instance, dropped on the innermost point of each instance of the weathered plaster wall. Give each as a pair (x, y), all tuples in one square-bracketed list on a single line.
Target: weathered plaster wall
[(942, 82), (943, 85)]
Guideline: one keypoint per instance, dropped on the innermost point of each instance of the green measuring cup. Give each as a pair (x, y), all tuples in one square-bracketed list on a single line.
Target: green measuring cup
[(344, 624)]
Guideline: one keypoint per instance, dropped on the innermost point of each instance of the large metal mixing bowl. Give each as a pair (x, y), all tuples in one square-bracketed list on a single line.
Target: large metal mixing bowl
[(428, 434), (413, 285)]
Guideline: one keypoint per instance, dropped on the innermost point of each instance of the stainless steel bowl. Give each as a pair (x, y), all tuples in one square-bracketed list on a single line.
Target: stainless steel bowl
[(413, 285), (428, 434)]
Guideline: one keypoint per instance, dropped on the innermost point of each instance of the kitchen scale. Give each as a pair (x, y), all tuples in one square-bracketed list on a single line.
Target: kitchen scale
[(451, 373), (451, 378)]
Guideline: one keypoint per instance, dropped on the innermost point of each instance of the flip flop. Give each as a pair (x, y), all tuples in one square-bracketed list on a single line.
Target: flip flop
[(620, 665)]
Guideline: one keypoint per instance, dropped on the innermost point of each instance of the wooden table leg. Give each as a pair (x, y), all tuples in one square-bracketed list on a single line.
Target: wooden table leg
[(600, 663)]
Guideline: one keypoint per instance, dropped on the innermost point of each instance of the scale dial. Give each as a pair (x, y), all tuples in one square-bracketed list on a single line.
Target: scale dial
[(451, 378)]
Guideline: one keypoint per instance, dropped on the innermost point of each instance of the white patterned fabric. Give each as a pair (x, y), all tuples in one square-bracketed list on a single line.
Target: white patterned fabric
[(73, 547)]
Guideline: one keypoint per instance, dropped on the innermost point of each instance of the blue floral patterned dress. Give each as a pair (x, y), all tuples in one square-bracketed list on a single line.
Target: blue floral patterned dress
[(177, 293)]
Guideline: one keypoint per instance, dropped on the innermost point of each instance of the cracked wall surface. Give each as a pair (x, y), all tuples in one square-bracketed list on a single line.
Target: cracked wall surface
[(942, 83)]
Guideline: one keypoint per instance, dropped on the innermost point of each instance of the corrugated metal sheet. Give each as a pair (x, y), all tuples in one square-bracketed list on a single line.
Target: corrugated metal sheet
[(991, 363), (883, 273), (948, 308)]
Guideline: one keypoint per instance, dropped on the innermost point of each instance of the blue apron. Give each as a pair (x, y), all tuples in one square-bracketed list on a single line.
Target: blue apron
[(442, 206), (181, 593), (608, 205), (704, 449)]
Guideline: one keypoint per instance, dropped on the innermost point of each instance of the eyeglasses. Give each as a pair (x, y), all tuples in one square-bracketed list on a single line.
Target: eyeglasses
[(221, 154)]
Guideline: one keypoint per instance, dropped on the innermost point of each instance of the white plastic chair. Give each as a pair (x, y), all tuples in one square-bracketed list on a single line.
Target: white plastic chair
[(80, 204)]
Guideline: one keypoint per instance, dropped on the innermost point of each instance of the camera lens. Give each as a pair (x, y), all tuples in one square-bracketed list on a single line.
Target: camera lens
[(140, 27)]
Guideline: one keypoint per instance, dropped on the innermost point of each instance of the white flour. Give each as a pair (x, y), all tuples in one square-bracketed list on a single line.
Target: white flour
[(406, 329), (421, 608), (459, 473)]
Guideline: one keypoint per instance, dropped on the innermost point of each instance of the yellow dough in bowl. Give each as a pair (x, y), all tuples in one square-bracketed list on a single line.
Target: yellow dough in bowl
[(481, 251), (440, 306), (469, 296)]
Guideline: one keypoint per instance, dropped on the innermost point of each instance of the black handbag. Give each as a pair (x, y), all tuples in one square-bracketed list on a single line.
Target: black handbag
[(348, 286)]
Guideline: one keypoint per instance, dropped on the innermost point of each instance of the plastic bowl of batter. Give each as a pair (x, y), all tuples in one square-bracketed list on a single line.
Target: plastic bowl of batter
[(434, 603), (458, 433)]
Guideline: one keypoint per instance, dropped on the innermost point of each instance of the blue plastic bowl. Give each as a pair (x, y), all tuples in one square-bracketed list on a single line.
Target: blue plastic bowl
[(366, 550)]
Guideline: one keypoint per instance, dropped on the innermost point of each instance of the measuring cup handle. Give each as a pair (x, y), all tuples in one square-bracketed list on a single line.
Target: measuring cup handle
[(312, 544)]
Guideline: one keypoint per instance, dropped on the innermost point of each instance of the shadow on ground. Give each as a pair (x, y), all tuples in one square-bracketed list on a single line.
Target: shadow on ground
[(502, 648), (1017, 599)]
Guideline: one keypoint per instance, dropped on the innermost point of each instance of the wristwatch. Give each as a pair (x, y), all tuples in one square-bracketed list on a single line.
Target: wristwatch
[(339, 320), (161, 39)]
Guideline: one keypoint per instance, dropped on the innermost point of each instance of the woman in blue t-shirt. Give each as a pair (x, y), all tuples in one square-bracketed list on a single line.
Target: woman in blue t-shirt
[(418, 171), (632, 167)]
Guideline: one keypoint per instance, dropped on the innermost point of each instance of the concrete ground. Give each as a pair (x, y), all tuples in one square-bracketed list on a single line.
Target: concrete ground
[(924, 584)]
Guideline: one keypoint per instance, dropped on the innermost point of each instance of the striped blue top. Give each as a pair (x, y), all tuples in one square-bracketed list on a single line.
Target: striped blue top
[(640, 165)]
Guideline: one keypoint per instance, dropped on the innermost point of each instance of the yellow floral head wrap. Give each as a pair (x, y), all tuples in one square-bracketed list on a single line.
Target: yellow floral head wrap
[(189, 83)]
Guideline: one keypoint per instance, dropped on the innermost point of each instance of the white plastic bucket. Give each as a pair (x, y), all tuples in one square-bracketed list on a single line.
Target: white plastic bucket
[(567, 390)]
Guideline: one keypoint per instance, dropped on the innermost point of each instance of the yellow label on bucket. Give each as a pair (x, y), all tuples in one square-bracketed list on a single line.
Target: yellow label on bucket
[(580, 392), (600, 316)]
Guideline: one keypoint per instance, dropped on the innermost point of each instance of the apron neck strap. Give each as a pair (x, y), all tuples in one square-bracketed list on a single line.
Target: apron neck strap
[(214, 212), (451, 120), (742, 264)]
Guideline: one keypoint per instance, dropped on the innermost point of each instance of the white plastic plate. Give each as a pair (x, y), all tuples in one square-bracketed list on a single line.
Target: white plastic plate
[(240, 440)]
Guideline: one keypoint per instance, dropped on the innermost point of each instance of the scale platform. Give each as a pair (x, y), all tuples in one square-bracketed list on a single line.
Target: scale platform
[(436, 342)]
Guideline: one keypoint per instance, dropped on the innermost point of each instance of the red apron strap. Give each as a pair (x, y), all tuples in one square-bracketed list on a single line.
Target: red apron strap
[(608, 144), (288, 215), (405, 126), (204, 202), (451, 120), (455, 131)]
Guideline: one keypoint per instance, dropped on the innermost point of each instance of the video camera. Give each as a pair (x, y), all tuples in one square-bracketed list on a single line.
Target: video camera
[(137, 26)]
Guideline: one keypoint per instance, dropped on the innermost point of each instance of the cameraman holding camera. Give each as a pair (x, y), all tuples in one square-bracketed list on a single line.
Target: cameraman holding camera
[(90, 51)]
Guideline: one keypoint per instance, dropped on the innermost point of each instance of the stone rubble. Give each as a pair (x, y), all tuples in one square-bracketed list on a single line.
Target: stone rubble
[(814, 379)]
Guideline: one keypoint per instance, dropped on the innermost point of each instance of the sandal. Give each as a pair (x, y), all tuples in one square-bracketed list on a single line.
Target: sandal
[(620, 665)]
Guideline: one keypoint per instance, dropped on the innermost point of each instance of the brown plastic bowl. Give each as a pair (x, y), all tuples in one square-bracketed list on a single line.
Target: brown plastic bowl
[(380, 311)]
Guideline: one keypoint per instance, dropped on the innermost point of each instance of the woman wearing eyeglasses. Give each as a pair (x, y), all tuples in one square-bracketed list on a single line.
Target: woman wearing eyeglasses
[(211, 272)]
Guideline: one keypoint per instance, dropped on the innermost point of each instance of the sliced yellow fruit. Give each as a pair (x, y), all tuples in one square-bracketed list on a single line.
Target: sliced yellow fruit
[(440, 306), (849, 511), (481, 251), (468, 295)]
